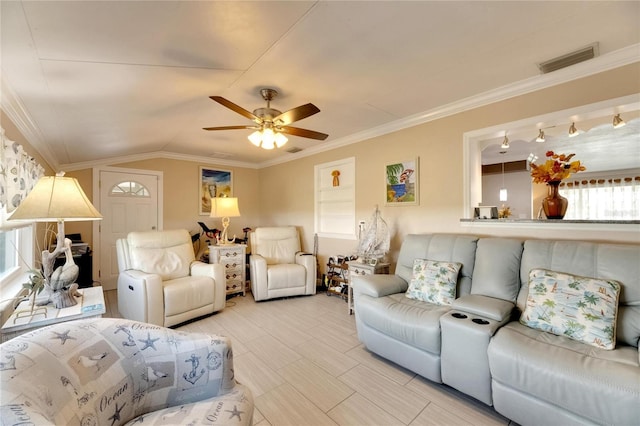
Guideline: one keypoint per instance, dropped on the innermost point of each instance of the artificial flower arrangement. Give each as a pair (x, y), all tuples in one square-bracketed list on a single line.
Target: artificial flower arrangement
[(504, 212), (556, 168)]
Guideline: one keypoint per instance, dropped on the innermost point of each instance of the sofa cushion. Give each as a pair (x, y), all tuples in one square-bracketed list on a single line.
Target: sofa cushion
[(187, 294), (600, 385), (167, 253), (434, 281), (443, 247), (276, 244), (580, 308), (285, 276), (496, 272), (413, 322), (607, 261)]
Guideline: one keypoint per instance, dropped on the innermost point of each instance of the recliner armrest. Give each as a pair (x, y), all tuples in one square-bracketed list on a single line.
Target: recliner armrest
[(217, 272), (141, 296), (485, 306), (378, 285), (306, 259)]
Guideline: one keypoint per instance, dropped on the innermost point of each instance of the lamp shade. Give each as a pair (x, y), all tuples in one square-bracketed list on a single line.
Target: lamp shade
[(56, 198), (224, 207)]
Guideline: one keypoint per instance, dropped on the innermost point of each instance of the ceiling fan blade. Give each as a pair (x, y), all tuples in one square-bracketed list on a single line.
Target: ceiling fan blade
[(295, 114), (230, 127), (234, 107), (296, 131)]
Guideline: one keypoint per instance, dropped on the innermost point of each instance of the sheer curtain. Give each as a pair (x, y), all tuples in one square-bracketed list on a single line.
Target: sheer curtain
[(616, 198), (18, 175)]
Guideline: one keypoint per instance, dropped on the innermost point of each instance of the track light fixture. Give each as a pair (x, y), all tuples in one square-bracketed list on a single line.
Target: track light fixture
[(505, 142), (573, 131), (618, 122), (540, 137)]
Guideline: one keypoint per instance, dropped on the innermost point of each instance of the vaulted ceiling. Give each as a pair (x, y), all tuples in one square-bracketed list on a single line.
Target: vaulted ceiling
[(95, 80)]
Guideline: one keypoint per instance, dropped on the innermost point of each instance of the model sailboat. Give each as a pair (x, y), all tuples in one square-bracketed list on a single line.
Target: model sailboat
[(375, 240)]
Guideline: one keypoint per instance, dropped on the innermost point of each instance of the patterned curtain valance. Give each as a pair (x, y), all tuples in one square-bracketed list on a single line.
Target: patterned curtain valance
[(18, 173)]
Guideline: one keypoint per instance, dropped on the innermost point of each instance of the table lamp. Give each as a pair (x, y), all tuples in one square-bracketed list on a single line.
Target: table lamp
[(225, 207), (57, 199)]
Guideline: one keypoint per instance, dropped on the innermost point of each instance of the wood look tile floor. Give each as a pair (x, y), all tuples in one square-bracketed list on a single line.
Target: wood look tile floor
[(303, 362)]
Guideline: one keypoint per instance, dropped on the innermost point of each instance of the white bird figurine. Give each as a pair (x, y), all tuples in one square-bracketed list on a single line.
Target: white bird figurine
[(65, 275)]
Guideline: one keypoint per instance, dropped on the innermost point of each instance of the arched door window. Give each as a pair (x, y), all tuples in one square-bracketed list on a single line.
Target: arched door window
[(129, 189)]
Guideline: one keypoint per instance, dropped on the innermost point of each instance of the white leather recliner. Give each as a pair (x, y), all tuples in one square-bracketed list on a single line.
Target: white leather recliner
[(278, 267), (161, 282)]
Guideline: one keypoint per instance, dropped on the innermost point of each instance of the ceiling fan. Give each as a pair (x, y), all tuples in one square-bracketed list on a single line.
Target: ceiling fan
[(270, 124)]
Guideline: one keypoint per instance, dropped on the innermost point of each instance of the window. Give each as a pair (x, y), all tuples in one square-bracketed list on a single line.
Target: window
[(16, 254), (129, 189), (8, 256), (603, 199)]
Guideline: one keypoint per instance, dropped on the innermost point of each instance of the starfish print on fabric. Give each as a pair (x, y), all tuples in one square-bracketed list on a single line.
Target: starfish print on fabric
[(149, 342), (63, 336), (235, 413), (116, 415)]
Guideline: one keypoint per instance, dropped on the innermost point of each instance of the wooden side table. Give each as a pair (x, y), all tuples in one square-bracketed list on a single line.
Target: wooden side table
[(357, 269), (91, 305), (234, 260)]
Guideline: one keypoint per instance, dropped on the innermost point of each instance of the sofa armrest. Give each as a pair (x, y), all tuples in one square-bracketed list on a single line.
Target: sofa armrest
[(217, 272), (141, 296), (485, 306), (378, 285)]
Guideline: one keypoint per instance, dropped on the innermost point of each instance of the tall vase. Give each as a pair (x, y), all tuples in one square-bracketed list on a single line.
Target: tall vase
[(554, 205)]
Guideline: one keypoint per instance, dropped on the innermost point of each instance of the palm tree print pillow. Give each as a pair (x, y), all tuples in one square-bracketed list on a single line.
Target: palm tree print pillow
[(581, 308), (434, 281)]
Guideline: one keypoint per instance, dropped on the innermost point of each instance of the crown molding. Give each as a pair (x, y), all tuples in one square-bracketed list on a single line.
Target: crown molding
[(615, 59), (68, 167), (17, 113)]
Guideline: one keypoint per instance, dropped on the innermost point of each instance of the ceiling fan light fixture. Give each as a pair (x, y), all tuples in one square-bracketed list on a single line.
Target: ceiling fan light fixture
[(618, 122), (540, 137), (280, 139), (573, 131), (256, 138)]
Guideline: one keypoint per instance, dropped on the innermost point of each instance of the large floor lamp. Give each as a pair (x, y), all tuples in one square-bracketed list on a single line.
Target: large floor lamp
[(57, 199)]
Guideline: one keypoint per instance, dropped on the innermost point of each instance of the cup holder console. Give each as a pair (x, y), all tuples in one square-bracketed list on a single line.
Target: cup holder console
[(459, 315)]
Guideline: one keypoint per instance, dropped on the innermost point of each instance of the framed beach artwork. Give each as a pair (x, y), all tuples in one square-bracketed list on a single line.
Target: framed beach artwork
[(214, 183), (402, 183)]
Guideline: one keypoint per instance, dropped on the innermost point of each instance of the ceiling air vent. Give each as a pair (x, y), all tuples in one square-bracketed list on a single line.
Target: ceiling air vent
[(294, 149), (569, 59)]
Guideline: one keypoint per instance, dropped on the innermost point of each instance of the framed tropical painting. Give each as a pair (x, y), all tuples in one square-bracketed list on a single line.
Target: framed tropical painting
[(402, 183), (214, 183)]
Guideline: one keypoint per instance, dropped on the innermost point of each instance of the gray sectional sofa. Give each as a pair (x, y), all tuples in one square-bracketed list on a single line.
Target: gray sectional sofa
[(478, 345)]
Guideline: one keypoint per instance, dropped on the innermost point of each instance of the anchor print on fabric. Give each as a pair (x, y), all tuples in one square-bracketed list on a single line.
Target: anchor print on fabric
[(193, 375), (81, 400), (125, 329)]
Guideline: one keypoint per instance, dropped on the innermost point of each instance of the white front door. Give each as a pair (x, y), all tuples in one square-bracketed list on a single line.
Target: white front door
[(130, 200)]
